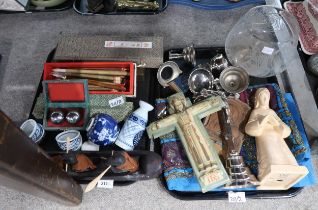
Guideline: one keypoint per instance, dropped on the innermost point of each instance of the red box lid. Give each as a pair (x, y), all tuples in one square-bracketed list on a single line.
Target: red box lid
[(64, 92)]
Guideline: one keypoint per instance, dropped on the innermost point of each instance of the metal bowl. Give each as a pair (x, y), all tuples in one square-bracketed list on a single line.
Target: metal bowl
[(234, 80), (200, 79)]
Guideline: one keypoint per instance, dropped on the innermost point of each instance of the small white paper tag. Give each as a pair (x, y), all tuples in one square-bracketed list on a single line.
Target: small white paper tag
[(268, 50), (128, 44), (108, 184), (116, 101), (236, 197)]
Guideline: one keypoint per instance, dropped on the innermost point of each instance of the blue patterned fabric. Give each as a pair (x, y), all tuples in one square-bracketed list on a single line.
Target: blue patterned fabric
[(179, 175), (216, 4), (310, 179)]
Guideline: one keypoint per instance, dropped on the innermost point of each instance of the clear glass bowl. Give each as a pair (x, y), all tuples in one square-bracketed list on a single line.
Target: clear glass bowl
[(257, 40)]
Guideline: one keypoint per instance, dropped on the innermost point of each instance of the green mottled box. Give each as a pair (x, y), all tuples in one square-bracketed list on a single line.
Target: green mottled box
[(65, 106)]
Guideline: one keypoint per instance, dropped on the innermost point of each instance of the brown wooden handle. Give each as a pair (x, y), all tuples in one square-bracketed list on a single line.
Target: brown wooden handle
[(106, 85)]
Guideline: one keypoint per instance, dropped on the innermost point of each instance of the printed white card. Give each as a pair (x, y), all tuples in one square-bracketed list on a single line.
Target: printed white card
[(236, 197), (268, 50), (116, 101), (107, 184), (128, 44)]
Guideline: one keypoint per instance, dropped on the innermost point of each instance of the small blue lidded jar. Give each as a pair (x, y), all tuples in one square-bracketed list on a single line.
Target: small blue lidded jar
[(102, 130)]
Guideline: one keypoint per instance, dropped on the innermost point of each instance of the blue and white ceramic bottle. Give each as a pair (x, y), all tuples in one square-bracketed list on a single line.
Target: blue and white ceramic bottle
[(134, 127)]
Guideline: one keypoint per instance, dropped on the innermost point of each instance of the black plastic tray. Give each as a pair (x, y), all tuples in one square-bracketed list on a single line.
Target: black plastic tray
[(142, 149), (83, 11), (203, 55), (64, 6), (149, 167), (312, 79), (76, 6)]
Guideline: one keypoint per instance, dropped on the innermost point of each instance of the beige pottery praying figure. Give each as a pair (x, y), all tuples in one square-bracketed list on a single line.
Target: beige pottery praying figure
[(278, 168)]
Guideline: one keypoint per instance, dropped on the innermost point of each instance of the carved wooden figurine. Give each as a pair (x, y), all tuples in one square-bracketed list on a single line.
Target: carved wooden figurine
[(186, 120), (123, 162), (239, 112), (278, 168)]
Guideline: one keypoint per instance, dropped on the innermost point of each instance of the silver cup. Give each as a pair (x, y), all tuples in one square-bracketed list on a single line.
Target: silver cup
[(234, 79)]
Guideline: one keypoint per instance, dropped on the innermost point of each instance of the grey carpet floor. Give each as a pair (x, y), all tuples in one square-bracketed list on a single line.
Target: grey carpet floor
[(27, 39)]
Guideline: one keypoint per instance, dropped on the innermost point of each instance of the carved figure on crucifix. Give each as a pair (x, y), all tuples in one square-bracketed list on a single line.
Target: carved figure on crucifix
[(186, 120)]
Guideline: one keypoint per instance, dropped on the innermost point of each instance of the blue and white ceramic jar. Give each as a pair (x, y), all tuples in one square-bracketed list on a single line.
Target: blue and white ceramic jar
[(102, 130), (73, 137), (134, 127), (33, 130)]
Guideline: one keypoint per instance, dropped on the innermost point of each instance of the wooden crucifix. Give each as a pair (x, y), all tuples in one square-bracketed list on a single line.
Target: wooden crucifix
[(186, 120)]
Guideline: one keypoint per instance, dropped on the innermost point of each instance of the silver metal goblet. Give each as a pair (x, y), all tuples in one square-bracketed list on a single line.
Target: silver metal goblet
[(188, 55)]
